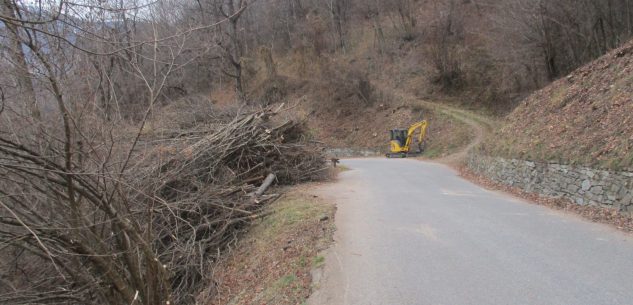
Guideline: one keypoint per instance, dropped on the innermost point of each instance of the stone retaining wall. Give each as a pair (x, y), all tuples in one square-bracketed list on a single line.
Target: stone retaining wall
[(354, 152), (582, 185)]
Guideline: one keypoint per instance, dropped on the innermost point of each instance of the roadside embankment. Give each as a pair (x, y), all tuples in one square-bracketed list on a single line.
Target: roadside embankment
[(277, 260), (572, 139)]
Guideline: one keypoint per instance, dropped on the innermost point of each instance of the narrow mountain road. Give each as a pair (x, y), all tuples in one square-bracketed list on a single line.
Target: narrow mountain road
[(412, 232)]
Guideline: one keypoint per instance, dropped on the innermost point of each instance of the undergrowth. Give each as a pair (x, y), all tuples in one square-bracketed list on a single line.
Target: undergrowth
[(272, 263)]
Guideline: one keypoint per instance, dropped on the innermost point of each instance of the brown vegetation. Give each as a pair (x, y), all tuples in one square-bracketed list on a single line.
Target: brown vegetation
[(143, 225), (585, 118), (126, 164)]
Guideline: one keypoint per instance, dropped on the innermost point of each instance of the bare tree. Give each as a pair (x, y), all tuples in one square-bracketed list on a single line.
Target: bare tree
[(562, 35), (339, 14), (8, 16), (230, 40), (406, 17), (75, 226), (374, 11), (444, 41)]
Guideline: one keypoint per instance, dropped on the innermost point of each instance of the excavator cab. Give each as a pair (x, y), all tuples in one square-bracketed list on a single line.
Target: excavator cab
[(399, 135), (401, 140)]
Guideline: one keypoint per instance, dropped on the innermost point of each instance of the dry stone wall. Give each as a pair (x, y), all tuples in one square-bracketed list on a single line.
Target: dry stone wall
[(354, 152), (582, 185)]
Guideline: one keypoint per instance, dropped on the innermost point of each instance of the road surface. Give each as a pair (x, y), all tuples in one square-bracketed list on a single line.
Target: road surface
[(411, 232)]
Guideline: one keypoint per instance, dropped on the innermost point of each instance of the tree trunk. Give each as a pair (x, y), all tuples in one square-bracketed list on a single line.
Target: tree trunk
[(379, 33), (20, 64), (237, 60)]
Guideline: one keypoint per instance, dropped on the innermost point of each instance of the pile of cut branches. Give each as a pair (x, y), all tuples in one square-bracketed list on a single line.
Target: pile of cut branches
[(209, 189), (105, 222)]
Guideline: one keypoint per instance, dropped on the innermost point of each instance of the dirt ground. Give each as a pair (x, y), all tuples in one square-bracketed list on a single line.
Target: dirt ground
[(273, 263)]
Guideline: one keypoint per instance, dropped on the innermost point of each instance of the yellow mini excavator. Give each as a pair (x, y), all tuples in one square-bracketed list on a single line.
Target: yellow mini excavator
[(402, 141)]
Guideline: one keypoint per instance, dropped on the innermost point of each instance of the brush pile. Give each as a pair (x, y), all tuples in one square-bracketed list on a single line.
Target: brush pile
[(207, 190), (123, 221)]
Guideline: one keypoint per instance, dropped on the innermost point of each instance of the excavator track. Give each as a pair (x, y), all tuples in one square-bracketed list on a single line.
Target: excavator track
[(402, 155)]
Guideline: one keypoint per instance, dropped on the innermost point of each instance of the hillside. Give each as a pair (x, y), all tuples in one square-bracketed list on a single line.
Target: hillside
[(346, 106), (363, 126), (585, 118)]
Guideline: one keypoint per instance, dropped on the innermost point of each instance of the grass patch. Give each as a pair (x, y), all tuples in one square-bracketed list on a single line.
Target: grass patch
[(272, 264), (342, 168), (433, 152), (287, 213), (558, 97), (281, 290), (285, 281), (318, 261), (446, 135)]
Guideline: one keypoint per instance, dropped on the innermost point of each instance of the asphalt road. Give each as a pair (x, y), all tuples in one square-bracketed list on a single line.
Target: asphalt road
[(412, 232)]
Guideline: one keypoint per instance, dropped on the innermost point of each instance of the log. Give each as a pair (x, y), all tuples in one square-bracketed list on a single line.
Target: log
[(267, 182)]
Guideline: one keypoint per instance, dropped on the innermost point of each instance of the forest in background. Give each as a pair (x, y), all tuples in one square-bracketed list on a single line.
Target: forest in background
[(504, 49)]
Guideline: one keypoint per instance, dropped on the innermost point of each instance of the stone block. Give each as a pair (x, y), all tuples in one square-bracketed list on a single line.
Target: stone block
[(614, 187), (572, 188), (586, 185), (596, 190), (623, 192)]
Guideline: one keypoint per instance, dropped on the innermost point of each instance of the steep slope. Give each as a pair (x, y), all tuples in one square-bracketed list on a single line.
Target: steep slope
[(585, 118), (343, 107)]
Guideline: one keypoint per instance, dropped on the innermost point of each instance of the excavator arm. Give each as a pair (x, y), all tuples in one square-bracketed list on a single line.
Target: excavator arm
[(412, 129)]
